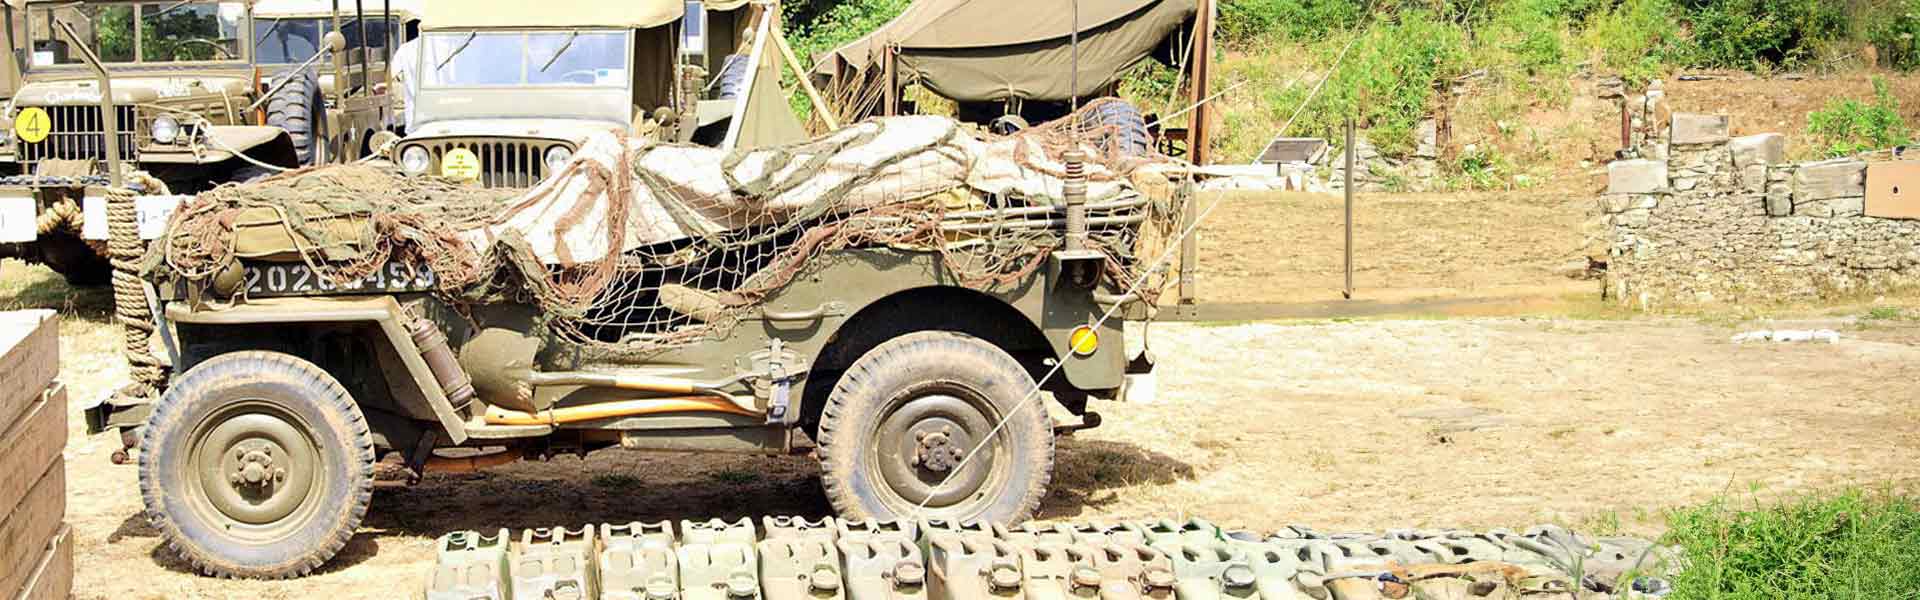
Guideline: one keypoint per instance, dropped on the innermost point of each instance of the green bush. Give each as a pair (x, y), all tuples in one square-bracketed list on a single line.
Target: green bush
[(1532, 33), (1748, 34), (1852, 544), (1895, 34), (1302, 20), (1637, 39), (841, 23), (1847, 126), (1386, 81)]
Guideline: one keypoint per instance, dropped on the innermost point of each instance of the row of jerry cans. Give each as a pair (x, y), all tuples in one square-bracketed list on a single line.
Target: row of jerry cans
[(788, 558)]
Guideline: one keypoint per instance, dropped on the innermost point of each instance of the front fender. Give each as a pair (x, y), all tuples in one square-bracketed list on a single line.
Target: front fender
[(419, 389)]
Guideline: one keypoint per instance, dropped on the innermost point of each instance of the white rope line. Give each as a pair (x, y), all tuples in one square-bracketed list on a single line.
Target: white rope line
[(921, 507)]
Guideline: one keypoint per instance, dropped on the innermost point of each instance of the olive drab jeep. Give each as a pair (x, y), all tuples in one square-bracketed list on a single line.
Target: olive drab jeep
[(189, 104), (505, 96), (928, 367)]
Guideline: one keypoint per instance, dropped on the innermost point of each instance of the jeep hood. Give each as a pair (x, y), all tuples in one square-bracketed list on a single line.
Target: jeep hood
[(128, 89), (571, 130)]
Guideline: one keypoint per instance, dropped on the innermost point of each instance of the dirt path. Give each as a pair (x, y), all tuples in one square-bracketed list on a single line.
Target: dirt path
[(1366, 425)]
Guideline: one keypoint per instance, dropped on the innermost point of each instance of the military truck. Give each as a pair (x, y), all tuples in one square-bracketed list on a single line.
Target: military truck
[(289, 34), (921, 309), (505, 96), (190, 108)]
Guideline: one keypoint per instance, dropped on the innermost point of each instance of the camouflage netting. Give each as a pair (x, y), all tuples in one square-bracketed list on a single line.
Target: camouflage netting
[(640, 245)]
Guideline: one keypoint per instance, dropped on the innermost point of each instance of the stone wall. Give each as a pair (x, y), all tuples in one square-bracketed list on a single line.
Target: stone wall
[(1726, 220), (1376, 172)]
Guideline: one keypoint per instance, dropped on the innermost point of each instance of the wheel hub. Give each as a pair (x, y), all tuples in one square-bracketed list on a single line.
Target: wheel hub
[(925, 439), (256, 468), (938, 451)]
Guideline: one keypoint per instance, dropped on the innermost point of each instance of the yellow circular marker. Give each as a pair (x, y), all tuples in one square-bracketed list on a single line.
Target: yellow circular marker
[(33, 125), (460, 164)]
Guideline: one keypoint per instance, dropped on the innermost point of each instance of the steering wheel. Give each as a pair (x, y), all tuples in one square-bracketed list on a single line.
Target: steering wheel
[(217, 47), (583, 77)]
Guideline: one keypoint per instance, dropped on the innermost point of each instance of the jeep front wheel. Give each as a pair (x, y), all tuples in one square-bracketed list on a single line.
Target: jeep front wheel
[(897, 431), (256, 464)]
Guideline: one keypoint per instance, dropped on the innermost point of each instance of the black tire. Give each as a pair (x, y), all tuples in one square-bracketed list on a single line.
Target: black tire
[(732, 80), (297, 108), (1122, 127), (242, 410), (876, 458), (74, 259)]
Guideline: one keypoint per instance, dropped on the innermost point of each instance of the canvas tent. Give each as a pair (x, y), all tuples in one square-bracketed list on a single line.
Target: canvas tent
[(992, 50)]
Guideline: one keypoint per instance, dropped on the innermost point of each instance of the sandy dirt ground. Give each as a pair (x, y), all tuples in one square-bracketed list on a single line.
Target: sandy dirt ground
[(1598, 424)]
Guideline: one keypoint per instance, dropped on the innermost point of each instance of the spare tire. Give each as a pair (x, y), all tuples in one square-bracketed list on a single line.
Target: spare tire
[(1120, 128), (297, 108)]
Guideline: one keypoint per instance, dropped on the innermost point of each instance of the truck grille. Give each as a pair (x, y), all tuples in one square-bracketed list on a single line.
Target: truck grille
[(80, 134), (503, 164)]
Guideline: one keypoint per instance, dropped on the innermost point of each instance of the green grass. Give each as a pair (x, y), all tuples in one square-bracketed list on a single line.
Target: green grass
[(736, 477), (1848, 544)]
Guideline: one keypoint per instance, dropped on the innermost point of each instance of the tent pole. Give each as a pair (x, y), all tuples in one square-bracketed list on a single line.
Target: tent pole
[(1198, 134), (893, 82)]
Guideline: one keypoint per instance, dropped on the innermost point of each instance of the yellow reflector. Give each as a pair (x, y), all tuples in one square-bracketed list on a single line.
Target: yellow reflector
[(1083, 341)]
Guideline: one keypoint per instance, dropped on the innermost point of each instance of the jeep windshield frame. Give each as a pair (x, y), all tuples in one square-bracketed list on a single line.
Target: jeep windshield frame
[(171, 34), (582, 58)]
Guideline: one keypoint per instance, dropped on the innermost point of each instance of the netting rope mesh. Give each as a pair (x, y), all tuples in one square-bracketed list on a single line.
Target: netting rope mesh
[(639, 245)]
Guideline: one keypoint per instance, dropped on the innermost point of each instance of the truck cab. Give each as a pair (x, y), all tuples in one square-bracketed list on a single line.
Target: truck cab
[(288, 36), (506, 96)]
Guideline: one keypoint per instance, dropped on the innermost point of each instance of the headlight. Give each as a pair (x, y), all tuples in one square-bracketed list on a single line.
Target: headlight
[(414, 160), (557, 158), (165, 129)]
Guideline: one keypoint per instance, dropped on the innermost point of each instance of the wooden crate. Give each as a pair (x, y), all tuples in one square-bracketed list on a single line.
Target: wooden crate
[(32, 444), (26, 529), (29, 359), (52, 576)]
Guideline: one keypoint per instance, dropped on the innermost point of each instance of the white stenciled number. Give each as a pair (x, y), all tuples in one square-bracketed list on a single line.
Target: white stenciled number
[(302, 280), (253, 281), (277, 279)]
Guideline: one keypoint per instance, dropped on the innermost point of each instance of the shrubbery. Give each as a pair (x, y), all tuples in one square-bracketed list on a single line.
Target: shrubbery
[(1851, 544), (1847, 126)]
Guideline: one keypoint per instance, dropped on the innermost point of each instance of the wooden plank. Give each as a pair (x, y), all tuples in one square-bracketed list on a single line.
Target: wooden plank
[(32, 443), (25, 531), (52, 577), (29, 358), (1893, 190)]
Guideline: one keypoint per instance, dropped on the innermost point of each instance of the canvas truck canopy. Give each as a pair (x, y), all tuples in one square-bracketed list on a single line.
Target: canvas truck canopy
[(983, 50), (634, 14), (277, 8)]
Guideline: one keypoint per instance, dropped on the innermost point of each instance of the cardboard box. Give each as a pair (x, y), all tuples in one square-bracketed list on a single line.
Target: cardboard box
[(29, 359), (25, 531), (1893, 189), (31, 444), (52, 576)]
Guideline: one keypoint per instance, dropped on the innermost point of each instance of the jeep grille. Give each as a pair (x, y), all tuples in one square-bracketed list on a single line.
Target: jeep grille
[(503, 164), (80, 134)]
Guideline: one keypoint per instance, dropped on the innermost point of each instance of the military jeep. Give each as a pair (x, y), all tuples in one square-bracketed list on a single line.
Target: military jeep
[(505, 96), (189, 107), (921, 309)]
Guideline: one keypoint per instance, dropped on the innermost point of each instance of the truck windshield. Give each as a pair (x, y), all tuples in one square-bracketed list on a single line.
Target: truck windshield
[(178, 31), (545, 58), (281, 41)]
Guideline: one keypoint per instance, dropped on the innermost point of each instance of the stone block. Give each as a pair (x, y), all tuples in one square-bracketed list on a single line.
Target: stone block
[(1637, 176), (1847, 207), (1779, 205), (1836, 178), (1758, 150), (1694, 128)]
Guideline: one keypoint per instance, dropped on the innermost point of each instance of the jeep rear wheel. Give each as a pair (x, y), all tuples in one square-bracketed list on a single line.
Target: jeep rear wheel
[(897, 431), (256, 464)]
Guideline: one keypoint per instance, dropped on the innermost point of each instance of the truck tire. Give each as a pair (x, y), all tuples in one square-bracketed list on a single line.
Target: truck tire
[(905, 415), (1128, 130), (256, 464), (297, 108), (74, 259)]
